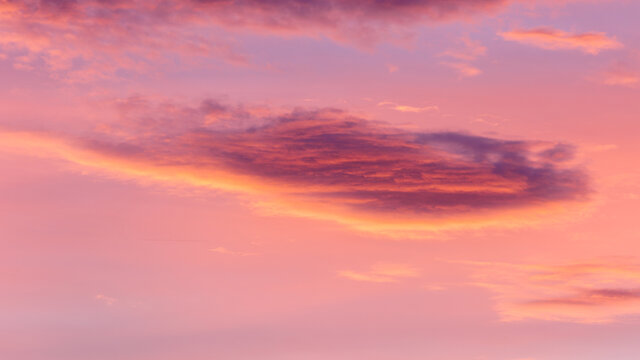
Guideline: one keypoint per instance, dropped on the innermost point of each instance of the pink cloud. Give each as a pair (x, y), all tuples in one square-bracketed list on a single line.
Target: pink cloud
[(107, 300), (407, 108), (553, 39), (585, 292), (463, 69), (364, 22), (382, 273), (328, 164), (620, 74), (462, 57), (92, 40)]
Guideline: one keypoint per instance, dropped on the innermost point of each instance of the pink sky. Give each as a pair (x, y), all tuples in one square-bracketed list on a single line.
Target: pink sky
[(361, 179)]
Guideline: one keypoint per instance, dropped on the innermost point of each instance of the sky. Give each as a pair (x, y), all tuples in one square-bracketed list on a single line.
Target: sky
[(319, 179)]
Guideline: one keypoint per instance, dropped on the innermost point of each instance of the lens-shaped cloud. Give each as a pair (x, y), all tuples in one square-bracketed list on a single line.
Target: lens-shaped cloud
[(329, 164)]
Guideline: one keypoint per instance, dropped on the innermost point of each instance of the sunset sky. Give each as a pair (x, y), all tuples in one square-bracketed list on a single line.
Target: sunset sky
[(319, 179)]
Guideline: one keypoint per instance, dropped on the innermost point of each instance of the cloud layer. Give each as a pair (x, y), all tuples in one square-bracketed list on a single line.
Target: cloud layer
[(584, 292), (84, 40), (93, 40), (329, 164), (81, 40), (365, 21)]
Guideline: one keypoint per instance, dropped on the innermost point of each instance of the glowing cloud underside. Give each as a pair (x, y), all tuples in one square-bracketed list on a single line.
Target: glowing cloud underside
[(584, 292), (331, 165), (553, 39)]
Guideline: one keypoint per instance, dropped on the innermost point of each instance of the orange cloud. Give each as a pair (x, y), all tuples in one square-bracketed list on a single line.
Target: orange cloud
[(553, 39), (328, 164), (584, 292), (407, 108), (463, 69), (223, 250)]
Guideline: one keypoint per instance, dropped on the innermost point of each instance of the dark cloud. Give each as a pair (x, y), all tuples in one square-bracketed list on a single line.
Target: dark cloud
[(361, 21), (328, 164), (331, 156)]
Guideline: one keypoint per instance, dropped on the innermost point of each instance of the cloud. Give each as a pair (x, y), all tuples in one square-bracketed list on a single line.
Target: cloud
[(140, 35), (553, 39), (463, 56), (89, 40), (328, 164), (136, 35), (407, 108), (620, 74), (463, 69), (361, 21), (469, 51), (109, 301), (382, 273), (583, 292), (223, 250)]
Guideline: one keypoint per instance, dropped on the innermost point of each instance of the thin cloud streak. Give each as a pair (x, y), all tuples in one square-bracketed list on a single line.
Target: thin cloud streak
[(382, 273), (620, 74), (138, 36), (554, 39), (407, 108)]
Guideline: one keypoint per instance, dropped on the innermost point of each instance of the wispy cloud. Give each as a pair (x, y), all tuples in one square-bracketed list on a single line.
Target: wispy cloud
[(362, 22), (107, 300), (463, 69), (554, 39), (223, 250), (407, 108), (135, 35), (462, 57), (620, 74), (585, 292), (382, 273), (468, 50)]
